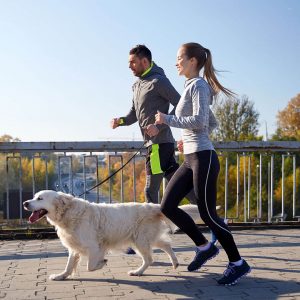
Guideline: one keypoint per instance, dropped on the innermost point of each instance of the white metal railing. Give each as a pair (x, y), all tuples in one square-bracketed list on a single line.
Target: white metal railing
[(249, 159)]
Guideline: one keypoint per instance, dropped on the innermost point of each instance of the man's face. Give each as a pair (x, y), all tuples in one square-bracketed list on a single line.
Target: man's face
[(137, 65)]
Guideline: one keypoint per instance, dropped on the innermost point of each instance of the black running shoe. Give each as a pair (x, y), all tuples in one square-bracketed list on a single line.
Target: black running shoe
[(234, 273), (130, 251), (202, 257)]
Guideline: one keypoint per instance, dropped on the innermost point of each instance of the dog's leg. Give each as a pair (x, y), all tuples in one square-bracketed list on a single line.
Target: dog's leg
[(166, 247), (72, 263), (144, 250), (96, 259)]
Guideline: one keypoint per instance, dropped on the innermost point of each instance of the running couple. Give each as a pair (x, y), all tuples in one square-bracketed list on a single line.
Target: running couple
[(200, 169)]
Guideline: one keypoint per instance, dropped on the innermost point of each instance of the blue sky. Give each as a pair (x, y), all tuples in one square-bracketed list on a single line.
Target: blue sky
[(64, 64)]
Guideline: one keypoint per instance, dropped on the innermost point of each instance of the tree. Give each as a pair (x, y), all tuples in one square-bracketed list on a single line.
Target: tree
[(288, 120), (8, 138), (238, 120)]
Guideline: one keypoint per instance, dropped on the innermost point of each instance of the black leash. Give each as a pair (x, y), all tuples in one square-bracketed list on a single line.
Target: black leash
[(114, 173)]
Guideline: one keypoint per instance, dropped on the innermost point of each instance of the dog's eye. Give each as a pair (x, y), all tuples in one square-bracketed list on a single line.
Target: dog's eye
[(39, 198)]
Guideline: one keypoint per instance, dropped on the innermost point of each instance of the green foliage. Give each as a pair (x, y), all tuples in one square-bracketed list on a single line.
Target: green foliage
[(8, 138), (238, 120)]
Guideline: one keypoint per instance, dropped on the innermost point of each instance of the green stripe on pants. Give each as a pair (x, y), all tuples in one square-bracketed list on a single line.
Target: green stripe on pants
[(155, 160)]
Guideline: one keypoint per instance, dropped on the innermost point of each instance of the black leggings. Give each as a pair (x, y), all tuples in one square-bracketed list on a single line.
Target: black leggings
[(199, 171)]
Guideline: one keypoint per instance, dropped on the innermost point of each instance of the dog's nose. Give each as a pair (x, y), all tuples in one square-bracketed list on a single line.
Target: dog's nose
[(25, 204)]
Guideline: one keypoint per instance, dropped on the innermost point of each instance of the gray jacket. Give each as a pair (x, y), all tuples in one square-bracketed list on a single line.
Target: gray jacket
[(193, 115), (151, 93)]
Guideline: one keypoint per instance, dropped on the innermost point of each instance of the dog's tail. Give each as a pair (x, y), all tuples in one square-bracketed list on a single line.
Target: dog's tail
[(192, 211)]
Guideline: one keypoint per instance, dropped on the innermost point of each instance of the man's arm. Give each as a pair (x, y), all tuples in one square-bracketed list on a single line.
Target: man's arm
[(169, 93), (129, 119)]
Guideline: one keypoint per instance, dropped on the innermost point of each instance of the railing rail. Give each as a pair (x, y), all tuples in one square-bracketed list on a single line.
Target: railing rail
[(249, 172), (102, 146)]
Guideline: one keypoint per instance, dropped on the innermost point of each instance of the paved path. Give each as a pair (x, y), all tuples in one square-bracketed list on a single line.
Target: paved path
[(273, 254)]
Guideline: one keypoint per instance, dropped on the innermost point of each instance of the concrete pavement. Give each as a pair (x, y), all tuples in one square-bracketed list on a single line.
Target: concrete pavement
[(274, 255)]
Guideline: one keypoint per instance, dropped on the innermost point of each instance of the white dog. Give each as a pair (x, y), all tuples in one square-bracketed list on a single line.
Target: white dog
[(90, 229)]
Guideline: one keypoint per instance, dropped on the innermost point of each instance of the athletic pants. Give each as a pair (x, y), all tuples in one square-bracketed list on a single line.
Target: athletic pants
[(168, 165), (199, 171)]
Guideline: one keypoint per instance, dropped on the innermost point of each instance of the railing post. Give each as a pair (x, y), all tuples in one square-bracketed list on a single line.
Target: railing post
[(134, 180), (294, 186), (34, 157), (226, 186), (85, 157), (70, 173), (237, 185), (19, 158), (245, 189), (259, 212), (270, 216), (249, 184), (110, 180)]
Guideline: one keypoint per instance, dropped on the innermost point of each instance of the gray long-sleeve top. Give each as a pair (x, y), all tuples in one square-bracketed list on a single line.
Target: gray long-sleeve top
[(193, 114)]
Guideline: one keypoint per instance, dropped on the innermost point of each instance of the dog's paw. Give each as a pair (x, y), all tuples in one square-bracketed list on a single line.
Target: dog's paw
[(57, 277), (100, 265), (135, 273)]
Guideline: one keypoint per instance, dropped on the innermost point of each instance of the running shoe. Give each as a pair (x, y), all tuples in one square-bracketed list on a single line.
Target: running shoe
[(202, 256), (234, 273)]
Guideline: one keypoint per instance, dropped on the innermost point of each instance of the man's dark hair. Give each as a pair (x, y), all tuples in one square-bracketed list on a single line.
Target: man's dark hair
[(141, 51)]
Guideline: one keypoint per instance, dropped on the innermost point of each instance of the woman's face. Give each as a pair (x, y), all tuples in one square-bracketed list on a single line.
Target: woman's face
[(185, 66)]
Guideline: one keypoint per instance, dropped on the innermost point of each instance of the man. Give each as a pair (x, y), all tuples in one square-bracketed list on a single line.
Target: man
[(152, 92)]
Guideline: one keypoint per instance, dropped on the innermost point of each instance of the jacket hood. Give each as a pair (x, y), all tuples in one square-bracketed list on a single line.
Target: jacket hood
[(155, 70)]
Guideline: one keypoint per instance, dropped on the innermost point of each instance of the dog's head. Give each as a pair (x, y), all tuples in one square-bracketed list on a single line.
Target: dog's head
[(47, 203)]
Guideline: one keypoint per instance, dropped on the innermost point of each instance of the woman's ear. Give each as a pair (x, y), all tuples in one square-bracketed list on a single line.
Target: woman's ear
[(194, 61)]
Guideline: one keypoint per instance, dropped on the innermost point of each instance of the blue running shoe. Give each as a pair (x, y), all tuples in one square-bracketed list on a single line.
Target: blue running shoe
[(234, 273), (130, 251), (202, 257)]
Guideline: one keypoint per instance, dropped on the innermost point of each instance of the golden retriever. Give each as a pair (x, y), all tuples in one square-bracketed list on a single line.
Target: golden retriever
[(90, 229)]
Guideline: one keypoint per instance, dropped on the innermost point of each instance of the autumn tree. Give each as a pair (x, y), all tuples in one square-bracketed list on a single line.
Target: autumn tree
[(288, 120), (8, 138), (238, 120), (128, 182)]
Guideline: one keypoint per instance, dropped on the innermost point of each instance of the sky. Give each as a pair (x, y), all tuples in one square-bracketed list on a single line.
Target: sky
[(64, 63)]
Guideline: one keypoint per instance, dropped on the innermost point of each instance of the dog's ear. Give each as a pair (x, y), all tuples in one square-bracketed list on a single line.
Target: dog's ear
[(63, 198)]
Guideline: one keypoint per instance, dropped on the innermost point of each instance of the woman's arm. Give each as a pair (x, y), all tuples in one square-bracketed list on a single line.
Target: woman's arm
[(200, 99)]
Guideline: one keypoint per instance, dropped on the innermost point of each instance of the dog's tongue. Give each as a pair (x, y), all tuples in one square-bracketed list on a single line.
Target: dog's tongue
[(34, 217)]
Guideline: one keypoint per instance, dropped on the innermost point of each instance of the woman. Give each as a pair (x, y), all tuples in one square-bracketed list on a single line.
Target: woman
[(200, 168)]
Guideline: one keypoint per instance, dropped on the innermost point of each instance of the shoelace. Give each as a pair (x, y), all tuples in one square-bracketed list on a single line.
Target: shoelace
[(230, 269), (198, 251)]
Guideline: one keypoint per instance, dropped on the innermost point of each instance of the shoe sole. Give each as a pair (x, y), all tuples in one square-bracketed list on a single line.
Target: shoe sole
[(235, 282), (205, 262)]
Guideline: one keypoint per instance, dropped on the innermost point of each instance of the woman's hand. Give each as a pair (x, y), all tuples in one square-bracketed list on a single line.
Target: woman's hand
[(160, 118), (180, 146)]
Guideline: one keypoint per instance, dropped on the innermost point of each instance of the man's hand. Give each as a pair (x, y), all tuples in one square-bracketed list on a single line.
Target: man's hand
[(159, 118), (114, 123), (151, 130), (180, 146)]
